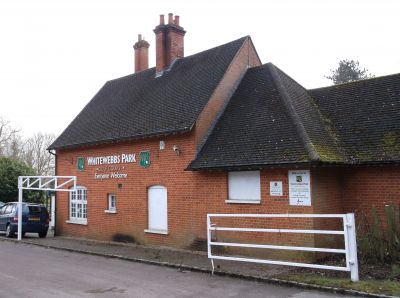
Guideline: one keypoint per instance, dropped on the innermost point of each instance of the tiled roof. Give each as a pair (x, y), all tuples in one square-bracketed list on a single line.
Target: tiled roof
[(141, 105), (270, 120), (366, 116)]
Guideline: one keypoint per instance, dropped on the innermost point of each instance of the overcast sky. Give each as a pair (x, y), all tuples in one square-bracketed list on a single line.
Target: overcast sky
[(56, 54)]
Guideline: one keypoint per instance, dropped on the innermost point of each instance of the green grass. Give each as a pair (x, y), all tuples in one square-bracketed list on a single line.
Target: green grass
[(387, 287)]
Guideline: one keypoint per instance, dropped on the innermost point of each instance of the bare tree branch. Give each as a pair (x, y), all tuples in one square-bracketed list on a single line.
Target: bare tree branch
[(36, 155), (7, 133)]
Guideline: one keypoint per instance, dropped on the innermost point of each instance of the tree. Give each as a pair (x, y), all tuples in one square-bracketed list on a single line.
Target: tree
[(36, 156), (348, 71), (14, 148), (9, 171), (7, 133)]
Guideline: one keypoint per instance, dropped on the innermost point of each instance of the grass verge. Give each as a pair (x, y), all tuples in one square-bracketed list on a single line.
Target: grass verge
[(387, 287)]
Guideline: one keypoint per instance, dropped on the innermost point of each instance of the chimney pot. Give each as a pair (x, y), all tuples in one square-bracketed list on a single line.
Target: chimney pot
[(162, 20), (139, 37), (177, 20), (170, 18)]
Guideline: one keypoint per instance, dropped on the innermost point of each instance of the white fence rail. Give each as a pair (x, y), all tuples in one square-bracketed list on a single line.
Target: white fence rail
[(348, 232)]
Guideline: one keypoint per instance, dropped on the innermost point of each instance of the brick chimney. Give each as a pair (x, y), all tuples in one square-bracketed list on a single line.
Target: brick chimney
[(169, 42), (141, 54)]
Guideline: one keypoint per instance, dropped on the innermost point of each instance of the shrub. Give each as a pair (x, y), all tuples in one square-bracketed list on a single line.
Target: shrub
[(379, 242)]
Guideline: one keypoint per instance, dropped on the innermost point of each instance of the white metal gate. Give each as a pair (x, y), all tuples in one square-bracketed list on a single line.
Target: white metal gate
[(348, 232), (53, 183)]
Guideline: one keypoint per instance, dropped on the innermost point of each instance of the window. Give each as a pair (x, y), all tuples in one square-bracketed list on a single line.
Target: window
[(244, 187), (112, 204), (9, 209), (78, 206)]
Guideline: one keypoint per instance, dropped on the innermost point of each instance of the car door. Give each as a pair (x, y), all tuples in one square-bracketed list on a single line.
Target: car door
[(3, 218)]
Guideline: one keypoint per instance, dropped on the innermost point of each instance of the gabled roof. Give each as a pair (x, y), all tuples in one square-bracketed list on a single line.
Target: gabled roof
[(141, 105), (269, 120), (366, 116)]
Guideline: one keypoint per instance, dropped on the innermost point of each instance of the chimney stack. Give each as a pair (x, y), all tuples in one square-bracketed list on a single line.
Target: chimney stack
[(169, 42), (141, 54)]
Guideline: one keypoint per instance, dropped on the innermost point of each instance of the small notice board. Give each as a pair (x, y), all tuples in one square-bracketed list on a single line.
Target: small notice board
[(299, 188), (275, 188)]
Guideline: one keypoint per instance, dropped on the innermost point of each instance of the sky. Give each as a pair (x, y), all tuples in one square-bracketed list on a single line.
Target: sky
[(56, 54)]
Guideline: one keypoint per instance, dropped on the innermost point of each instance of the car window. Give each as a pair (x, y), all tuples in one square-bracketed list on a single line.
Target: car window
[(35, 209), (25, 209), (2, 209), (8, 209)]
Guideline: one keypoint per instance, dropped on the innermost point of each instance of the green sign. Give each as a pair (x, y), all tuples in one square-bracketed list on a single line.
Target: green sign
[(81, 163), (145, 159)]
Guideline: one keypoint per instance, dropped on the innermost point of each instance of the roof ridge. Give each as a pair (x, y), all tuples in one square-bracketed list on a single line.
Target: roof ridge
[(311, 151), (356, 82)]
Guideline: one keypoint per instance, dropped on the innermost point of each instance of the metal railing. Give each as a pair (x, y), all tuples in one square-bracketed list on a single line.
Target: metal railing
[(348, 232)]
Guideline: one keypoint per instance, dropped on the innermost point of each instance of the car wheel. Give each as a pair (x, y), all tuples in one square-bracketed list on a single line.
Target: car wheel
[(43, 234), (9, 234)]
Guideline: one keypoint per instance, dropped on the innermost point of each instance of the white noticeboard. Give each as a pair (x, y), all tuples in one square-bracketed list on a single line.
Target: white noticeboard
[(275, 188), (299, 188)]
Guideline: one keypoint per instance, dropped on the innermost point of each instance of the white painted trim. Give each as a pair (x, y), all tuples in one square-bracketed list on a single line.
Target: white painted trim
[(76, 222), (243, 201), (110, 211), (156, 232)]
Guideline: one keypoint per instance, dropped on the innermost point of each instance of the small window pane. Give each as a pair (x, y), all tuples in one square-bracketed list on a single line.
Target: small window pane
[(112, 202)]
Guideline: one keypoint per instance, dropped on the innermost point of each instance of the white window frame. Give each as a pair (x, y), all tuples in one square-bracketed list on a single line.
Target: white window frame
[(78, 206), (241, 182), (112, 206)]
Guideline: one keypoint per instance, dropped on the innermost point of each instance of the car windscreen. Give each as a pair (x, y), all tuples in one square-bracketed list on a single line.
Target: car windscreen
[(35, 209)]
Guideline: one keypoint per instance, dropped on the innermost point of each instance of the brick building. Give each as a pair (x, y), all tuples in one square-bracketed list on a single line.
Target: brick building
[(220, 132)]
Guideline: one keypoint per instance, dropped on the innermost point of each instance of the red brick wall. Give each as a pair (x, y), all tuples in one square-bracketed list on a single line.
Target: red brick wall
[(166, 169), (191, 195), (367, 187)]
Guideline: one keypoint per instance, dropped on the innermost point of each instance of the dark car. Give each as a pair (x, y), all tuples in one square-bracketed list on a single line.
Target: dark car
[(35, 219)]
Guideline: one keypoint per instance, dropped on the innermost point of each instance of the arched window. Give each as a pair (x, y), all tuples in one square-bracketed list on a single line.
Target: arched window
[(78, 205)]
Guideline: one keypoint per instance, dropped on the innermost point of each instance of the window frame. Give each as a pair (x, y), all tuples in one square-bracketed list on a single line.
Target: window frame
[(110, 208), (234, 177), (78, 214)]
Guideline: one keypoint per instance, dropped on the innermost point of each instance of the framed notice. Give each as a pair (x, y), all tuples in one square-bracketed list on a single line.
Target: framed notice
[(299, 188), (275, 189)]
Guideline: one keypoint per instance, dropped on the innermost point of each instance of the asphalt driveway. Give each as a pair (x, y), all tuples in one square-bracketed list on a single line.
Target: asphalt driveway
[(31, 271)]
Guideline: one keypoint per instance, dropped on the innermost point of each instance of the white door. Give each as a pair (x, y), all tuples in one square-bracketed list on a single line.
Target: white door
[(158, 212)]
